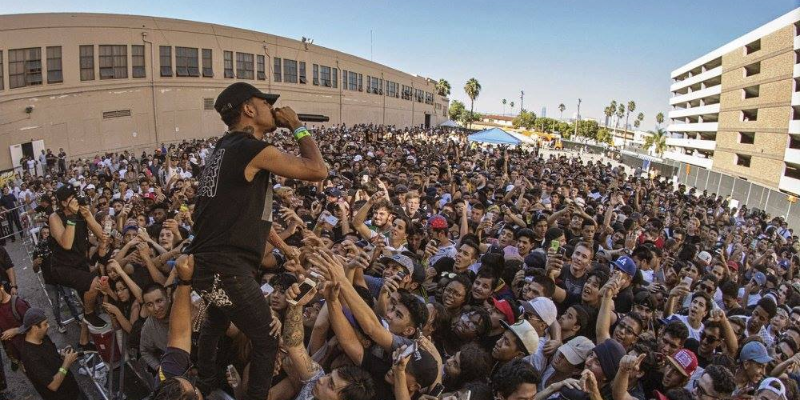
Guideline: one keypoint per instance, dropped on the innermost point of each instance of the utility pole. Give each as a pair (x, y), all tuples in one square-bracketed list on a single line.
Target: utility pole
[(577, 119), (521, 103)]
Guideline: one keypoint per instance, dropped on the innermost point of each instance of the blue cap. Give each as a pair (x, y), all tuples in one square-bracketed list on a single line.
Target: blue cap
[(755, 351), (760, 278), (626, 265)]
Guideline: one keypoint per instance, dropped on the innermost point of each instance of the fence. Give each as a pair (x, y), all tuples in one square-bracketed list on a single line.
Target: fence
[(773, 202)]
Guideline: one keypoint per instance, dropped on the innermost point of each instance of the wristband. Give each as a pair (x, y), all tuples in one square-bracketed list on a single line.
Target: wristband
[(70, 223), (63, 371), (182, 282), (300, 133)]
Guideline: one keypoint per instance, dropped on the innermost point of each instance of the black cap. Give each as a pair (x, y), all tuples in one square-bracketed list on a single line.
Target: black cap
[(239, 92), (63, 193)]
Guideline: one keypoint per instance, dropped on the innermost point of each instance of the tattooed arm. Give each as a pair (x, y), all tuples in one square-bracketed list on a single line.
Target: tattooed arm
[(293, 338)]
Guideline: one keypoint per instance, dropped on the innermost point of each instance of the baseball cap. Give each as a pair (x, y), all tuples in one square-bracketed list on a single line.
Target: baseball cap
[(333, 192), (684, 361), (438, 222), (733, 265), (64, 192), (626, 265), (609, 353), (423, 367), (238, 93), (32, 317), (505, 307), (401, 259), (89, 186), (774, 385), (400, 189), (577, 350), (760, 278), (705, 257), (755, 351), (543, 307), (524, 331), (149, 195)]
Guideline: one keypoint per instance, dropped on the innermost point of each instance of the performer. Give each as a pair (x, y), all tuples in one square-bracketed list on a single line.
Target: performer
[(233, 219)]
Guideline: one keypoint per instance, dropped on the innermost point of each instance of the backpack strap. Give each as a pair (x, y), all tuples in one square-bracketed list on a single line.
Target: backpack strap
[(14, 308)]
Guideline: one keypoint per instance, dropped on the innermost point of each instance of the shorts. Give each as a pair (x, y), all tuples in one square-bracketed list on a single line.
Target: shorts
[(79, 279)]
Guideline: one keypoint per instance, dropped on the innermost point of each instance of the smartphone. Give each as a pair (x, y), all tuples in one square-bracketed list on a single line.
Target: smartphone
[(267, 289), (364, 178), (410, 349), (305, 287), (436, 390), (555, 245), (107, 227), (687, 279), (330, 219)]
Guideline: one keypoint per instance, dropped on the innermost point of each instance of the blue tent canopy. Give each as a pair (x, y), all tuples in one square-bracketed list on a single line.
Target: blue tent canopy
[(495, 136)]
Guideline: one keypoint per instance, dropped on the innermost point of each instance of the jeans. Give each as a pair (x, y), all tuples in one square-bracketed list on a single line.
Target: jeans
[(250, 312), (56, 292)]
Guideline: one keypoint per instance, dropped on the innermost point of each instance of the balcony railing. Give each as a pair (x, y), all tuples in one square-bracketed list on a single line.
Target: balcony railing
[(694, 127), (692, 143), (690, 159), (688, 112), (712, 73), (714, 90)]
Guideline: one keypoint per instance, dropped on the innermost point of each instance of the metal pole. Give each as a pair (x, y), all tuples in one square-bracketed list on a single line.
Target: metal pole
[(577, 118)]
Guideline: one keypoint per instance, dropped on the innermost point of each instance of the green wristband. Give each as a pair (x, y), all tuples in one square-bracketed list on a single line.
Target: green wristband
[(70, 223), (63, 371), (300, 133)]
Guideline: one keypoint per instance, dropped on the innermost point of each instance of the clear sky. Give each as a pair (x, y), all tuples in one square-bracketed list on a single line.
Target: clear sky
[(555, 50)]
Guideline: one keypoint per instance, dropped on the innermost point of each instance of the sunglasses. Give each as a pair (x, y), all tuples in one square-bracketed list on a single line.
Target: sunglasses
[(708, 338)]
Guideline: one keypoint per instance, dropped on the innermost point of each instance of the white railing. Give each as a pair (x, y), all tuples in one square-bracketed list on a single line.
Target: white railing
[(789, 184), (694, 127), (792, 155), (701, 110), (689, 159), (794, 126), (696, 95), (712, 73), (692, 143)]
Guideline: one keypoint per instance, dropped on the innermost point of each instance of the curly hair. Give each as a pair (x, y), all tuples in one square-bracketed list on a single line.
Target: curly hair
[(360, 385), (513, 374), (724, 383)]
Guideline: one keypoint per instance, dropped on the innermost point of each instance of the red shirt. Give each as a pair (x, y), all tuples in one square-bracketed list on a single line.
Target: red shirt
[(7, 321)]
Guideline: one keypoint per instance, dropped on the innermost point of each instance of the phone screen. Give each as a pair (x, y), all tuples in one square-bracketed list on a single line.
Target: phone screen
[(305, 287)]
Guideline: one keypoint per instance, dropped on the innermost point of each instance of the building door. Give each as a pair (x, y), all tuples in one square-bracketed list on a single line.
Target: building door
[(427, 121), (29, 149)]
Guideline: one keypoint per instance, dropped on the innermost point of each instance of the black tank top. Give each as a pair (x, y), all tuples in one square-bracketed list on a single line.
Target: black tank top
[(78, 255), (231, 225)]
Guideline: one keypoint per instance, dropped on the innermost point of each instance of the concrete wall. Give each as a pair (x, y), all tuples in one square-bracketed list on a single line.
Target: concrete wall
[(167, 109)]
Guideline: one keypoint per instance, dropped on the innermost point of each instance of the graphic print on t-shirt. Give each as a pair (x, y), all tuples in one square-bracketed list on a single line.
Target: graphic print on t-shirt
[(210, 177)]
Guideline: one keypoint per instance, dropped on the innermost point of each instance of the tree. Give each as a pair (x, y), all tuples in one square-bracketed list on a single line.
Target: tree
[(657, 140), (512, 107), (608, 111), (631, 107), (443, 88), (604, 136), (456, 110), (639, 119), (659, 119), (473, 90), (620, 114), (587, 128), (525, 119), (504, 106), (561, 108), (468, 117)]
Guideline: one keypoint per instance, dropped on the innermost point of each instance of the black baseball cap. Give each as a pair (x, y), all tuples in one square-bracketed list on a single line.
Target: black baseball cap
[(239, 92)]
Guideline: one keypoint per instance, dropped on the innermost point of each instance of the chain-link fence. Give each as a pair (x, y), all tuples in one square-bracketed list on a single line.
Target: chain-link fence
[(773, 202)]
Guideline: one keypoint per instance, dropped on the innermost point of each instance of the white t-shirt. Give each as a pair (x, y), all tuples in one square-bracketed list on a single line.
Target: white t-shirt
[(693, 333)]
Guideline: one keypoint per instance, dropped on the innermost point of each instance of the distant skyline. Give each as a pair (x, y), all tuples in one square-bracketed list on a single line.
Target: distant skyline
[(555, 51)]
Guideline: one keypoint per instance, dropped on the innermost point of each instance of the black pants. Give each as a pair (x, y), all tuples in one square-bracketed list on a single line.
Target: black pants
[(250, 312)]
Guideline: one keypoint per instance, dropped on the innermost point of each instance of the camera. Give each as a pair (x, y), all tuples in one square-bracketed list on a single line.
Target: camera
[(82, 199)]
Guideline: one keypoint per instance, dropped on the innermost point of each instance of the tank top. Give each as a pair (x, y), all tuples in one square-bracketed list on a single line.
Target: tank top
[(77, 256), (232, 216)]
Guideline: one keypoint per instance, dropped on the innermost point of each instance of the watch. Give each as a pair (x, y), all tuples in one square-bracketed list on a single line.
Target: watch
[(626, 251)]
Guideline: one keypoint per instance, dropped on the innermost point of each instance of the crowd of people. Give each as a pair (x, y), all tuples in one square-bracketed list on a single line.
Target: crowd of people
[(422, 266)]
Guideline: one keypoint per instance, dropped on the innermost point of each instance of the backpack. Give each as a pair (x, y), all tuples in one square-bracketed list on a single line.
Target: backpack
[(14, 310)]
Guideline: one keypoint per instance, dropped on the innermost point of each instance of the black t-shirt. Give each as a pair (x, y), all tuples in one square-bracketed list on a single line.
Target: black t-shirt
[(5, 264), (232, 217), (77, 255), (378, 367), (41, 362), (623, 303)]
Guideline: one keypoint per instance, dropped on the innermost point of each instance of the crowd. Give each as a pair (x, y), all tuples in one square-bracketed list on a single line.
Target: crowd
[(423, 266)]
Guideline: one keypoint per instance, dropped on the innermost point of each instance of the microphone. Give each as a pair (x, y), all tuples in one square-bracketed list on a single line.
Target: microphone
[(313, 118)]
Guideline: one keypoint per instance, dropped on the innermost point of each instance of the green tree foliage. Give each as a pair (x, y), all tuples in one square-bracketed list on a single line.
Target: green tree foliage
[(456, 110), (525, 119), (587, 128), (443, 88), (658, 141), (473, 90)]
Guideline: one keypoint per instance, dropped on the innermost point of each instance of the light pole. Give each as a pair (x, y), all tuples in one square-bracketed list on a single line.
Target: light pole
[(577, 119), (521, 102)]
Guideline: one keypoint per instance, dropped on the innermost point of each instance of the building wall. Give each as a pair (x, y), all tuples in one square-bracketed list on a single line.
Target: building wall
[(70, 114), (773, 103)]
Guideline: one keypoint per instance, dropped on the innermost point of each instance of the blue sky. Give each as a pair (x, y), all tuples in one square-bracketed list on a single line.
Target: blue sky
[(556, 51)]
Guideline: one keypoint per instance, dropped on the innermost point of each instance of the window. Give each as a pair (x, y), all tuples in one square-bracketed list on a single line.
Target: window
[(750, 115), (54, 73), (315, 74), (137, 61), (419, 95), (352, 81), (24, 67), (261, 68), (344, 79), (392, 89), (325, 76), (186, 63), (1, 71), (208, 63), (794, 142), (795, 113), (87, 62), (743, 160), (792, 171), (753, 47), (406, 92), (335, 75), (228, 60), (747, 137), (360, 82), (374, 85), (752, 69), (303, 79), (750, 92), (428, 98), (208, 104), (244, 65), (276, 66), (289, 71), (165, 60), (113, 61)]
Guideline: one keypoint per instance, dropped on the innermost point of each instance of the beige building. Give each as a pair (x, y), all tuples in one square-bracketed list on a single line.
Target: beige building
[(90, 83), (736, 110)]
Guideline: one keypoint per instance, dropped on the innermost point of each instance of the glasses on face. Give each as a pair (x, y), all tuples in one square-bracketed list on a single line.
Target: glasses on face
[(708, 338), (449, 275), (453, 292), (706, 288), (702, 394), (626, 329)]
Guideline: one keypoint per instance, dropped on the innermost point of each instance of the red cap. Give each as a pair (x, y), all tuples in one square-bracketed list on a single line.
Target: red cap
[(504, 307), (149, 195), (685, 361), (733, 265), (438, 222)]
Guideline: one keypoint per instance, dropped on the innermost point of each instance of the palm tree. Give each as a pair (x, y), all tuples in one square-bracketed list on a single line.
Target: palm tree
[(608, 111), (561, 108), (443, 88), (620, 114), (504, 106), (657, 140), (659, 119), (512, 107), (631, 107), (473, 89)]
